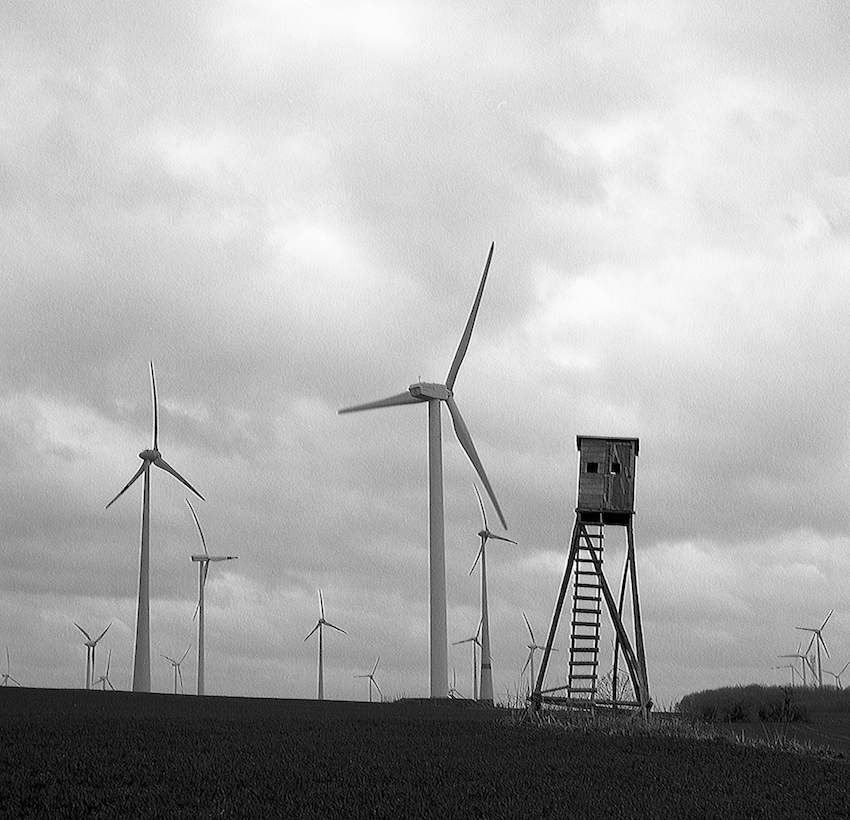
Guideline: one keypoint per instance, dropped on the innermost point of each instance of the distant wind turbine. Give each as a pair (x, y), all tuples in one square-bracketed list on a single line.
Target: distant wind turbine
[(434, 395), (476, 642), (837, 675), (486, 691), (793, 671), (176, 666), (372, 680), (8, 676), (818, 640), (90, 644), (320, 625), (203, 569), (142, 657), (104, 678), (804, 661), (532, 648)]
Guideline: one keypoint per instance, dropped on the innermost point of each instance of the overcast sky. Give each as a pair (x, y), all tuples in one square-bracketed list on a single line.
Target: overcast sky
[(287, 207)]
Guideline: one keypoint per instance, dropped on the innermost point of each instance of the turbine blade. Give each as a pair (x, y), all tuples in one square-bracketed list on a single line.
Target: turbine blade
[(844, 667), (184, 654), (811, 642), (481, 504), (375, 668), (204, 573), (826, 619), (475, 563), (198, 525), (108, 662), (500, 538), (322, 605), (529, 628), (155, 410), (527, 661), (88, 637), (470, 322), (163, 465), (823, 644), (392, 401), (313, 630), (377, 687), (327, 623), (466, 442), (128, 484), (102, 633)]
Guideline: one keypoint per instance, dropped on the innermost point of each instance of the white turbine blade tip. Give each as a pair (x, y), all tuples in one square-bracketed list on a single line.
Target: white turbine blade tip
[(391, 401)]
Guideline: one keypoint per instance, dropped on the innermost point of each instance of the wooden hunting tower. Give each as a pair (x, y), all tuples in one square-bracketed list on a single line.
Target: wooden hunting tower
[(606, 497)]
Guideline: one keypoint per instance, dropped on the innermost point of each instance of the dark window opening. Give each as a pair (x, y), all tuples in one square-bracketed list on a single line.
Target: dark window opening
[(593, 466), (615, 468)]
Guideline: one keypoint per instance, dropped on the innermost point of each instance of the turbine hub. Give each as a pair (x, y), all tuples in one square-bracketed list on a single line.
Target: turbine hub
[(149, 455), (425, 391)]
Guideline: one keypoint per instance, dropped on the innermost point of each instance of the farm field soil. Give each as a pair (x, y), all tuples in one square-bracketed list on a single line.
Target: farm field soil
[(73, 754)]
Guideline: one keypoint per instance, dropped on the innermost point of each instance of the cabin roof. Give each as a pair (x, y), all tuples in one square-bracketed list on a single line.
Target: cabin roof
[(615, 439)]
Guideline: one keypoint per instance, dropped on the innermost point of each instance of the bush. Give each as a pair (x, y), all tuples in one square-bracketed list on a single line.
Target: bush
[(751, 704)]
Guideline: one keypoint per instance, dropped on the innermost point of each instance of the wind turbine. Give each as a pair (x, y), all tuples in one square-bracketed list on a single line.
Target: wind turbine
[(176, 666), (203, 569), (372, 680), (142, 657), (532, 648), (90, 644), (476, 642), (804, 661), (8, 676), (104, 678), (486, 691), (434, 394), (817, 639), (320, 625), (793, 671), (837, 675)]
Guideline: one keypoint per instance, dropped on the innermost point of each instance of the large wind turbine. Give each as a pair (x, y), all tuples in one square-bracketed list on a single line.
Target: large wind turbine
[(434, 394), (142, 658), (804, 661), (486, 691), (203, 569), (90, 644), (320, 625), (817, 638)]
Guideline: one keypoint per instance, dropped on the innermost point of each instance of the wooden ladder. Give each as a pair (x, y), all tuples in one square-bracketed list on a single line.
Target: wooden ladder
[(587, 611)]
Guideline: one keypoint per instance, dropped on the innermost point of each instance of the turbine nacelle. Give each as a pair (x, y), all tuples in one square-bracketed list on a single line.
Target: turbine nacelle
[(425, 391), (150, 455)]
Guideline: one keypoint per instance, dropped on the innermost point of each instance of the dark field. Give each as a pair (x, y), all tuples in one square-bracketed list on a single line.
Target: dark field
[(70, 754)]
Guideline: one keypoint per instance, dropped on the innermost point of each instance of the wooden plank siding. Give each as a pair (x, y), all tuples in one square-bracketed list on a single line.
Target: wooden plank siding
[(606, 474)]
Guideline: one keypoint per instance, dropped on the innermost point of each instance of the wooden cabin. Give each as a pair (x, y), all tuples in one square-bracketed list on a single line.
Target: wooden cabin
[(606, 479)]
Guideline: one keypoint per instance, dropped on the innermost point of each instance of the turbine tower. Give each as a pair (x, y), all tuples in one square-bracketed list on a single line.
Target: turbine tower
[(320, 625), (818, 639), (142, 656), (485, 693), (90, 644), (203, 569), (372, 680), (434, 395)]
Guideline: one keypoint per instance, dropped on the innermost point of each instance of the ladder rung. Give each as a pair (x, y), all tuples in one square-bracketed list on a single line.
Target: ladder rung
[(586, 598)]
